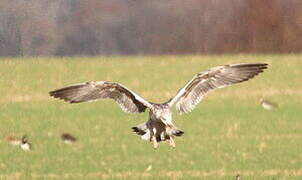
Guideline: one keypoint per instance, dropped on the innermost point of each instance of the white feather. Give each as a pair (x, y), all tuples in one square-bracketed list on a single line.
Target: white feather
[(146, 136)]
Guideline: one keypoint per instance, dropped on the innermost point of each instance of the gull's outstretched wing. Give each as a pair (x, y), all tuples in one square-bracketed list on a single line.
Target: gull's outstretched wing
[(129, 101), (218, 77)]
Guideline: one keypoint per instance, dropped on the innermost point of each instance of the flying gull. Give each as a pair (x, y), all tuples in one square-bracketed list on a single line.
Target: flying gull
[(159, 126)]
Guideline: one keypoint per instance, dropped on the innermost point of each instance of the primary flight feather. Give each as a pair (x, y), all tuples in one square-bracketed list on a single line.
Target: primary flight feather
[(218, 77), (159, 127)]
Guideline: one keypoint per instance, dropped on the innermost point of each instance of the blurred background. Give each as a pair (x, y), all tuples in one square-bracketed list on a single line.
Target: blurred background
[(131, 27), (253, 129)]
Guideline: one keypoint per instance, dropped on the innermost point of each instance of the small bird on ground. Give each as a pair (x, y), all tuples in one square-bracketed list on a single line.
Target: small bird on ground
[(149, 168), (13, 140), (68, 138), (237, 177), (25, 144), (268, 105)]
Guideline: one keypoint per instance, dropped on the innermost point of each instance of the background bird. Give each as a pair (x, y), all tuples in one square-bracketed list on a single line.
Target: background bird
[(68, 138), (237, 177), (25, 144), (159, 126), (268, 105), (149, 168)]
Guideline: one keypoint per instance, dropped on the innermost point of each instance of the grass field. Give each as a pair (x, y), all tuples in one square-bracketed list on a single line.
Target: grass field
[(227, 134)]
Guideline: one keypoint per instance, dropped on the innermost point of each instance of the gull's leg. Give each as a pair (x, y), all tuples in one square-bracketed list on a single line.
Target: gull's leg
[(171, 142), (154, 142), (153, 137), (169, 134)]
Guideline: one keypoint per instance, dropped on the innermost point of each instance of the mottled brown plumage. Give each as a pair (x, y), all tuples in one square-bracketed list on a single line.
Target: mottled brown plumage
[(218, 77), (92, 91), (159, 127)]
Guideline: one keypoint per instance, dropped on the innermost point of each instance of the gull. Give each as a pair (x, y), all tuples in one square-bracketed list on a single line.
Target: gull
[(159, 126)]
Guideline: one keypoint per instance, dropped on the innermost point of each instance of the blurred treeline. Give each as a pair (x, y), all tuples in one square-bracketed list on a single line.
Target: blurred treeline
[(107, 27)]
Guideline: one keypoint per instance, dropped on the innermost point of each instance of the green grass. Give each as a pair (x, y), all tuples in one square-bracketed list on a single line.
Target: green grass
[(228, 133)]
